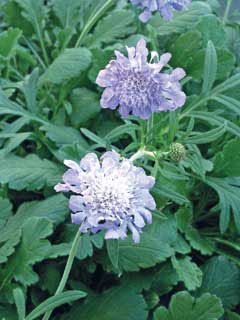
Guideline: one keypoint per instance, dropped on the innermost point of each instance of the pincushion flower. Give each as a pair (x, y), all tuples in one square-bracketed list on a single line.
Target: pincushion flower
[(137, 86), (110, 194), (164, 7)]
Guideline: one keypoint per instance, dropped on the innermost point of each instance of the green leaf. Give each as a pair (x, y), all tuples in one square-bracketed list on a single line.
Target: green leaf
[(154, 247), (188, 272), (85, 104), (232, 316), (165, 191), (8, 42), (183, 306), (228, 102), (33, 10), (32, 249), (63, 135), (68, 15), (184, 217), (117, 303), (31, 173), (115, 25), (113, 251), (5, 211), (20, 303), (182, 21), (222, 278), (212, 29), (210, 68), (54, 209), (67, 65), (29, 89), (206, 137), (226, 162), (229, 200), (56, 301), (198, 242), (8, 248)]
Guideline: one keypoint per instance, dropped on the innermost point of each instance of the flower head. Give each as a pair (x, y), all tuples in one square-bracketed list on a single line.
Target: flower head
[(137, 86), (164, 7), (110, 194)]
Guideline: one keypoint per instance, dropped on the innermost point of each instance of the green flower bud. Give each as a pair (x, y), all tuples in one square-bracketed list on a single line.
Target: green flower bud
[(177, 151)]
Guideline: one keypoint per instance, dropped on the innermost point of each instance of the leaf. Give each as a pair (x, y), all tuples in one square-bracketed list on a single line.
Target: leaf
[(183, 306), (198, 242), (33, 248), (222, 278), (165, 279), (29, 89), (63, 135), (115, 25), (154, 247), (8, 42), (113, 251), (67, 65), (182, 21), (188, 272), (5, 211), (33, 10), (20, 303), (166, 191), (8, 248), (85, 105), (31, 173), (206, 137), (229, 200), (232, 316), (212, 29), (117, 303), (226, 162), (210, 68), (68, 15), (54, 302), (54, 209), (228, 102)]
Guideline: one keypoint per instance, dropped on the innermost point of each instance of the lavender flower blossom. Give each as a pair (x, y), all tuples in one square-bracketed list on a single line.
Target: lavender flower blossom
[(111, 194), (137, 86), (164, 7)]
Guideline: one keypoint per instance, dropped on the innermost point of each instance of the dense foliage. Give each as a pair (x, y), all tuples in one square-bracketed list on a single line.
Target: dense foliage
[(186, 265)]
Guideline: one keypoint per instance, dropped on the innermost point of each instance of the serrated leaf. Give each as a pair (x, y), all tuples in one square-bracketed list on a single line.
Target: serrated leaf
[(210, 68), (8, 42), (229, 200), (154, 247), (188, 272), (8, 248), (5, 211), (198, 242), (115, 25), (31, 173), (33, 248), (117, 303), (68, 15), (54, 209), (33, 10), (212, 29), (183, 306), (226, 162), (67, 65), (222, 278)]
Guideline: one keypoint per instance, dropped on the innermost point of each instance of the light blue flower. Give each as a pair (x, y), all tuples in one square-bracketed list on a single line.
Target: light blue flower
[(111, 194)]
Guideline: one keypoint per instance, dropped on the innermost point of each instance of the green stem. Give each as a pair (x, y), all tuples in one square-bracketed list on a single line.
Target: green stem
[(39, 34), (66, 270), (227, 11), (92, 21)]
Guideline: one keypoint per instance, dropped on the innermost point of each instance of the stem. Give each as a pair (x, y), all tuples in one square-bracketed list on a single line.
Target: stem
[(39, 34), (67, 270), (35, 53), (92, 21), (227, 11)]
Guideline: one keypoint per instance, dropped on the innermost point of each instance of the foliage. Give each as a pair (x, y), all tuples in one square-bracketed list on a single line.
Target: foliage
[(187, 263)]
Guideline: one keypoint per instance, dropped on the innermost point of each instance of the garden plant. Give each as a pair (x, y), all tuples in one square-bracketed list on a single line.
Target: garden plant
[(120, 160)]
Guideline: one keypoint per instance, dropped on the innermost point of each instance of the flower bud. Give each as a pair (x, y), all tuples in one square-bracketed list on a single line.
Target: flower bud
[(177, 151)]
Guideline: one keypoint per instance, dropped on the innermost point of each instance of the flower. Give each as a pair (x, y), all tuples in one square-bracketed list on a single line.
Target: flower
[(164, 7), (137, 86), (111, 194)]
